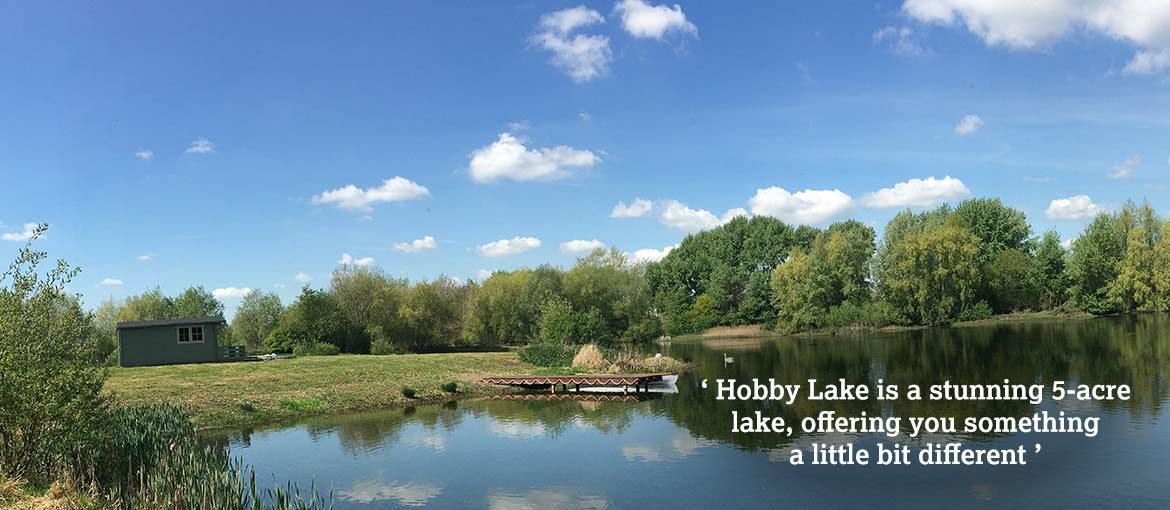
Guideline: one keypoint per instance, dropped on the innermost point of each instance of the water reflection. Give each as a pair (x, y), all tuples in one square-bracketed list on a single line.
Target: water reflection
[(539, 452)]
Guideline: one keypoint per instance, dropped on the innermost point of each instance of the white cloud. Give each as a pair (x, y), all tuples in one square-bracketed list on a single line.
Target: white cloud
[(279, 285), (649, 254), (144, 154), (506, 247), (1148, 62), (1125, 169), (900, 41), (585, 116), (110, 282), (230, 293), (396, 189), (483, 274), (200, 146), (417, 245), (145, 258), (580, 246), (636, 209), (1067, 243), (968, 125), (917, 193), (29, 229), (641, 19), (583, 57), (347, 260), (1078, 207), (1029, 25), (508, 158), (808, 207), (677, 215), (303, 277)]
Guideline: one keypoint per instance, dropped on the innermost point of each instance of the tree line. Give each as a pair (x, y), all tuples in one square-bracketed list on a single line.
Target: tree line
[(933, 267)]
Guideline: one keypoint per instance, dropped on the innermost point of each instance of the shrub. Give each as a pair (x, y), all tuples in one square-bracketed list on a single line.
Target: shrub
[(589, 358), (450, 387), (317, 349), (408, 392), (50, 387), (548, 355), (382, 346), (978, 311)]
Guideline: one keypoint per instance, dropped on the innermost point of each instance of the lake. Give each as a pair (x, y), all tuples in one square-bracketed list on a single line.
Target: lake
[(677, 451)]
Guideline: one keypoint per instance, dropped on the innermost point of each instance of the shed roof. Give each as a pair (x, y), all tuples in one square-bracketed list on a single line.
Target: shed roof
[(170, 322)]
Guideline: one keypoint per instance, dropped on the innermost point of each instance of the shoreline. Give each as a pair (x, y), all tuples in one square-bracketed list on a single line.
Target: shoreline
[(236, 395), (761, 331)]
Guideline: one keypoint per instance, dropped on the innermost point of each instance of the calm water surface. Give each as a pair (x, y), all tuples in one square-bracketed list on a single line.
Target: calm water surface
[(678, 452)]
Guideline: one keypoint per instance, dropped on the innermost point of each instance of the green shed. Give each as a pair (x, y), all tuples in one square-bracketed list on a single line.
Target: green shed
[(171, 341)]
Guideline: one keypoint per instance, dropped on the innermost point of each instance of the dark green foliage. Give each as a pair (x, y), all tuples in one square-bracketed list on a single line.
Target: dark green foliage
[(730, 265), (1094, 262), (316, 349), (1049, 276), (548, 354), (450, 387), (833, 272), (408, 392), (314, 318), (196, 302)]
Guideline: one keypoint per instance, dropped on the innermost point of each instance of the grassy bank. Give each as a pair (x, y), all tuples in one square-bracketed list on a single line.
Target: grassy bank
[(240, 394)]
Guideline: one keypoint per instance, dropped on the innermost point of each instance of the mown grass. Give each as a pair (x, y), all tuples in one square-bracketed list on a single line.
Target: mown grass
[(252, 393)]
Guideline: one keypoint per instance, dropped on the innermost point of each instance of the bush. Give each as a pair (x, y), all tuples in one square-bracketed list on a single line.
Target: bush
[(450, 387), (979, 311), (408, 392), (50, 386), (548, 355), (382, 346), (589, 358), (317, 349)]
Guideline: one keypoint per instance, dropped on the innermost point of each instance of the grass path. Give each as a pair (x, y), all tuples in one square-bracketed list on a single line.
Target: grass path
[(240, 394)]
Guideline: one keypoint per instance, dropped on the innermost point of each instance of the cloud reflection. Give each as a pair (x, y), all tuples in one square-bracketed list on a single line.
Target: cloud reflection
[(406, 494), (551, 498)]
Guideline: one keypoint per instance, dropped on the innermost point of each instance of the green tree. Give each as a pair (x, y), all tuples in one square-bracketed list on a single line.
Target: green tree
[(370, 301), (149, 306), (258, 315), (1049, 276), (931, 275), (313, 318), (196, 302), (1094, 263), (105, 322), (49, 385), (557, 322), (496, 311), (432, 314), (1133, 287)]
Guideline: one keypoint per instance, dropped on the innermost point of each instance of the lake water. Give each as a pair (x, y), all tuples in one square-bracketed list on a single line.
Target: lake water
[(678, 452)]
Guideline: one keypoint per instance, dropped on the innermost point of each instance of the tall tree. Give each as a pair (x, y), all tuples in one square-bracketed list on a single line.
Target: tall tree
[(196, 302), (931, 276), (258, 314), (1049, 275)]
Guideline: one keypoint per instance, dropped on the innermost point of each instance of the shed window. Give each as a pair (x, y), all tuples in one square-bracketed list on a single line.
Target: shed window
[(191, 334)]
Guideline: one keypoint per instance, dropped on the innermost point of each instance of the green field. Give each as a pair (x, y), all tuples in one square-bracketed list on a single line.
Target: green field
[(248, 393)]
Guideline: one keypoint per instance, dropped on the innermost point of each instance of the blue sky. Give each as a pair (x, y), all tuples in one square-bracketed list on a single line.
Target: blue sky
[(239, 145)]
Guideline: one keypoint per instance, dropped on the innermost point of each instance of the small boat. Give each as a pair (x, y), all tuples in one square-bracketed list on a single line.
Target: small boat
[(666, 380)]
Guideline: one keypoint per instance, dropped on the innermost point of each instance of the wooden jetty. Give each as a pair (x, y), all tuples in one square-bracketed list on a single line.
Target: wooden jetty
[(639, 382), (578, 397)]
